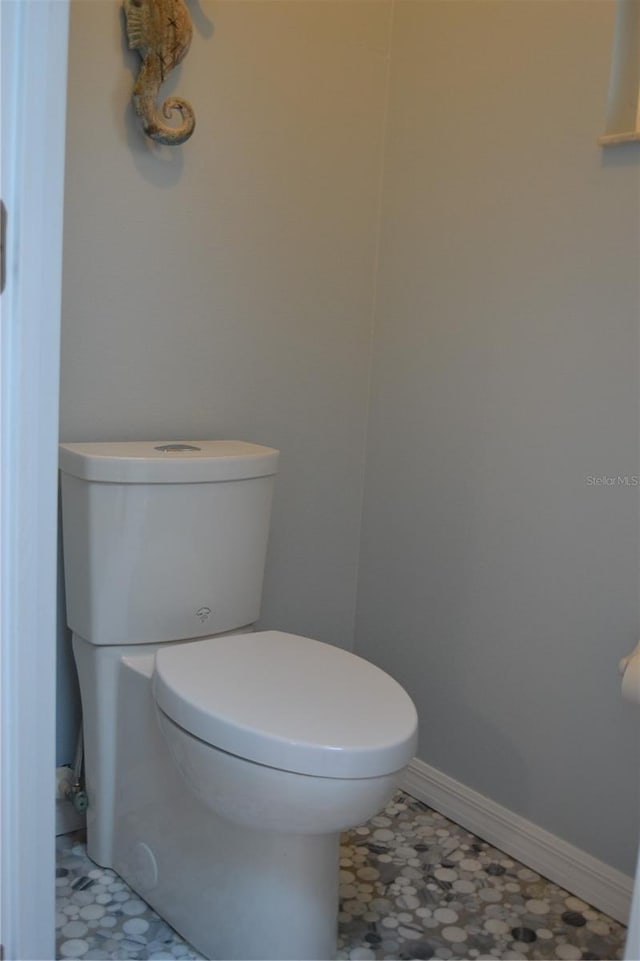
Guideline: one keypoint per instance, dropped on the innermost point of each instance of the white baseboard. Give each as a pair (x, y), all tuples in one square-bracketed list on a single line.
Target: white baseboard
[(604, 887), (67, 818)]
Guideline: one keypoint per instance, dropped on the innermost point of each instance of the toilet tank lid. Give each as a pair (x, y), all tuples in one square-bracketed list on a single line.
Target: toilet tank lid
[(168, 462)]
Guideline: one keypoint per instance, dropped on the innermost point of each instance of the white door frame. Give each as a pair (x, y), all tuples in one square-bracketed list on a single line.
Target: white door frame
[(34, 37)]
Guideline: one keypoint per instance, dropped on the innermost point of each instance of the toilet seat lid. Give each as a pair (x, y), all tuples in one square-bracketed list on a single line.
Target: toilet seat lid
[(288, 702)]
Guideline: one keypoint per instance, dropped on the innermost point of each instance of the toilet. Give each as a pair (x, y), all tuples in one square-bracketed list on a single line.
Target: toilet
[(221, 763)]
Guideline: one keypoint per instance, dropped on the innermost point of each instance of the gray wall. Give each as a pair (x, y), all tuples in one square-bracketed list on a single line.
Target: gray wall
[(227, 288), (494, 581), (223, 288)]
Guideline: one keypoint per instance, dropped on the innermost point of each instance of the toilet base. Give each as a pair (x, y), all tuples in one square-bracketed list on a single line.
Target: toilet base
[(234, 893), (231, 892), (192, 851)]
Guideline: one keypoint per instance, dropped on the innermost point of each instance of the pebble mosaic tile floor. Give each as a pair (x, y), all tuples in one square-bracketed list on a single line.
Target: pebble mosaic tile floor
[(413, 886)]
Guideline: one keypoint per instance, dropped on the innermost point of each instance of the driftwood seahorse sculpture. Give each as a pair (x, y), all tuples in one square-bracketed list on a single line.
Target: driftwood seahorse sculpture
[(160, 30)]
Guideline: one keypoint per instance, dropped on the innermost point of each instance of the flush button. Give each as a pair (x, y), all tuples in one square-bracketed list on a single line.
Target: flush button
[(175, 448)]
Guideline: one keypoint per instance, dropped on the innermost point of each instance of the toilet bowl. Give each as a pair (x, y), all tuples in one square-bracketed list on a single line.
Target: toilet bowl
[(221, 763), (283, 733), (239, 856)]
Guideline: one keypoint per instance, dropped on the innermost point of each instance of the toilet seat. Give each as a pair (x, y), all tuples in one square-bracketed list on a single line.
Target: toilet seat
[(288, 702)]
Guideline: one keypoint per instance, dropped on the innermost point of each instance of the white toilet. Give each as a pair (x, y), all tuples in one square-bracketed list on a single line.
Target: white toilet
[(221, 763)]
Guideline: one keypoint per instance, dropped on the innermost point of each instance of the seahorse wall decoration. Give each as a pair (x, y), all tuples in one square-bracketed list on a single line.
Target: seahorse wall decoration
[(160, 30)]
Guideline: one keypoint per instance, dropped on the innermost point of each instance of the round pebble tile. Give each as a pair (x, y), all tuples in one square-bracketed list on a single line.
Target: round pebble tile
[(537, 907), (489, 895), (74, 948), (568, 952), (445, 915), (574, 918), (405, 853), (134, 907), (454, 934), (383, 835), (525, 935), (92, 912), (575, 904), (135, 926), (464, 887)]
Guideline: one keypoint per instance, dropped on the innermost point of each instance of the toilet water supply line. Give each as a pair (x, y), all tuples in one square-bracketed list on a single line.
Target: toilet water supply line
[(75, 792)]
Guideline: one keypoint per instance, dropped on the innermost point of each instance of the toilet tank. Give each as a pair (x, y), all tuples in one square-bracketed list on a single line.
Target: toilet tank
[(164, 541)]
